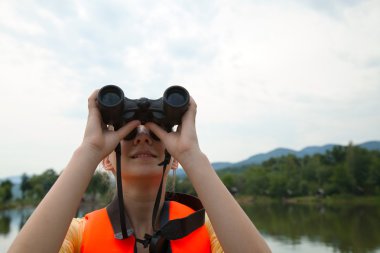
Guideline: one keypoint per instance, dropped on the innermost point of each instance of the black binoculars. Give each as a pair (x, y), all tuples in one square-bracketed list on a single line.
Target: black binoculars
[(167, 111)]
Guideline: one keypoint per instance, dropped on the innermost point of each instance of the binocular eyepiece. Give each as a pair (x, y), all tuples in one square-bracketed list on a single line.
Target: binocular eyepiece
[(167, 111)]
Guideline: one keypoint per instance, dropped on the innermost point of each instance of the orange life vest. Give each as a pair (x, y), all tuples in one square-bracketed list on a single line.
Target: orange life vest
[(98, 234)]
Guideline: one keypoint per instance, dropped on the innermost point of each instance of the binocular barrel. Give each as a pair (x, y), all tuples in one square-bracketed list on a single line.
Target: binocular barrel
[(117, 110), (175, 101), (111, 104)]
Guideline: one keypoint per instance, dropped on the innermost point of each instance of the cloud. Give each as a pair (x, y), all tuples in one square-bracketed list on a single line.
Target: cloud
[(263, 73)]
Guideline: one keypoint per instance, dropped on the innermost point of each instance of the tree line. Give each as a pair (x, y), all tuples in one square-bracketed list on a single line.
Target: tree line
[(33, 188), (342, 170)]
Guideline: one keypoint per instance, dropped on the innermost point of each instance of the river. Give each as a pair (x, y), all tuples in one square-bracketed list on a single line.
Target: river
[(287, 228)]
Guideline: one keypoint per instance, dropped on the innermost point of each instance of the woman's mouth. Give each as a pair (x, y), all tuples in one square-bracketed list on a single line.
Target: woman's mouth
[(143, 155)]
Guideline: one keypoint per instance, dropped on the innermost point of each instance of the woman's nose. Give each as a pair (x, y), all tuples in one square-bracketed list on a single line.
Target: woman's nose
[(142, 135)]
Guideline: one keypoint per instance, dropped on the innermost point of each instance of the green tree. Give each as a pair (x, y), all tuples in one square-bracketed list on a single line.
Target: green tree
[(99, 185), (256, 181), (277, 184), (374, 174), (6, 191), (184, 185), (41, 184), (361, 169), (25, 185), (336, 155), (230, 181)]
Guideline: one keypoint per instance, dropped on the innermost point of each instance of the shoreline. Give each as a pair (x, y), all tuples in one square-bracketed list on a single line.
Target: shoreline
[(251, 200), (310, 200)]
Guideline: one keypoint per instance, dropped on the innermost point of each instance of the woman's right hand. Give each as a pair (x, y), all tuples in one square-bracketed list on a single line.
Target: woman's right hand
[(61, 202), (97, 138)]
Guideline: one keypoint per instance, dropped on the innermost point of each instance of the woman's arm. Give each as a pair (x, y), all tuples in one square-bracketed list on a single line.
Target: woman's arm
[(235, 231), (45, 230)]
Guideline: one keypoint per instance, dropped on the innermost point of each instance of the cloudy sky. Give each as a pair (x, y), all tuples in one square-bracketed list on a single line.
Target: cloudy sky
[(265, 74)]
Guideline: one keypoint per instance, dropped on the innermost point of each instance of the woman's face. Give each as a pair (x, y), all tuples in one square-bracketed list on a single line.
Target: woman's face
[(140, 154)]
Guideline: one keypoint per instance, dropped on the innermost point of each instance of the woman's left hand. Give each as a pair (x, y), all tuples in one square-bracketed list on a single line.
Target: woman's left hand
[(215, 197), (182, 144)]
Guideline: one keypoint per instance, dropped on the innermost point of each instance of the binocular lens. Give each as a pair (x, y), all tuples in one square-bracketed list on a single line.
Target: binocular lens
[(176, 99), (176, 96), (110, 98)]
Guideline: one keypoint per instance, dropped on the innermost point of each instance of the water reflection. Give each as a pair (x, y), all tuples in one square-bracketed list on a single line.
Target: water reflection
[(343, 228), (5, 222), (287, 228), (11, 222)]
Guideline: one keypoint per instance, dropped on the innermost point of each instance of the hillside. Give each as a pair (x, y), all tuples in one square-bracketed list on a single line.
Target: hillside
[(311, 150)]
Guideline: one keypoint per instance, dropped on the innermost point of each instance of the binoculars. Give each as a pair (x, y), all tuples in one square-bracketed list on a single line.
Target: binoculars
[(118, 110)]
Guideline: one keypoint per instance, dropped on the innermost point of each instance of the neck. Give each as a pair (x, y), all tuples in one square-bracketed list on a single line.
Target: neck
[(139, 198)]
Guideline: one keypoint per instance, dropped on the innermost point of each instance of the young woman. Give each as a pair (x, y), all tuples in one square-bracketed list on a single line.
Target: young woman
[(47, 229)]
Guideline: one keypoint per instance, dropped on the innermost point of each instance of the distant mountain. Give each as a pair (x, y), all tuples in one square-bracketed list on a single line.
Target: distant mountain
[(220, 165), (371, 145), (311, 150), (257, 159)]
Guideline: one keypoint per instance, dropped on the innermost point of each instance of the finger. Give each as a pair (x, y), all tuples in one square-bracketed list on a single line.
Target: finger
[(191, 111), (92, 100), (179, 128), (188, 120), (158, 131), (93, 111), (174, 164), (127, 128), (94, 117), (193, 107)]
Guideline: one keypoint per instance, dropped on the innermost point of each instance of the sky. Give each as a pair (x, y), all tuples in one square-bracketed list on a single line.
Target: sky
[(264, 74)]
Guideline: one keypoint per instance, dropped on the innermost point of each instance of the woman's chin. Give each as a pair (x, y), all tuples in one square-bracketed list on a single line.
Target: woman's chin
[(146, 170)]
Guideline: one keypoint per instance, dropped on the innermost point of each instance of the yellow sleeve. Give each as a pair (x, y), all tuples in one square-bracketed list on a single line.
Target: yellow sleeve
[(73, 238), (215, 245)]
